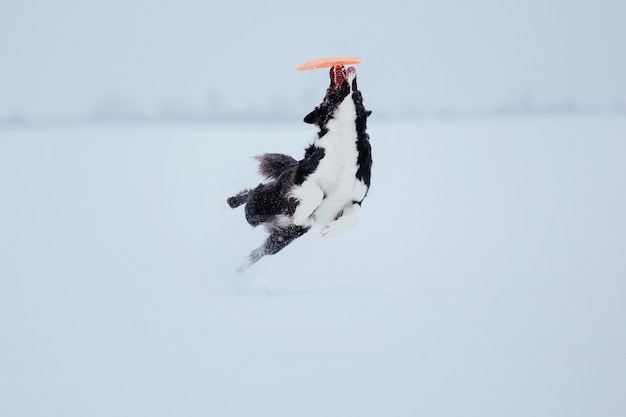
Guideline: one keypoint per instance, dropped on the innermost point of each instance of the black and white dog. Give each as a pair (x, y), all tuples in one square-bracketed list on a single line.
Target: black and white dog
[(327, 186)]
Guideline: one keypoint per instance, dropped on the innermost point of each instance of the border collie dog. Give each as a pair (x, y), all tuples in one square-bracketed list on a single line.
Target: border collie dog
[(327, 186)]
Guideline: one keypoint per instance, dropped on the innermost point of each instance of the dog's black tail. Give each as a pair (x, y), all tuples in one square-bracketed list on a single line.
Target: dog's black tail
[(271, 165)]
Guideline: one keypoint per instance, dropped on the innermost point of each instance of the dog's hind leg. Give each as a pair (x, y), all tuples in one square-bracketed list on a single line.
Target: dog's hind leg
[(239, 199), (281, 237), (278, 239)]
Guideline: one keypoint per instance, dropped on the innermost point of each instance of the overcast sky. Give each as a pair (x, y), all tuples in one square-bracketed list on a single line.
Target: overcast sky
[(71, 58)]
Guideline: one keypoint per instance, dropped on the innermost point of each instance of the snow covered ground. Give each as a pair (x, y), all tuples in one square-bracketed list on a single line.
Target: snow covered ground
[(487, 276)]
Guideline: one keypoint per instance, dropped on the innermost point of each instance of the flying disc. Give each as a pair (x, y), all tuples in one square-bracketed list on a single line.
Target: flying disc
[(328, 61)]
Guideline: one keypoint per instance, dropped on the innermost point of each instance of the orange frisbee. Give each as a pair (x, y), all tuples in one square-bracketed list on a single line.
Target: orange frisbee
[(327, 61)]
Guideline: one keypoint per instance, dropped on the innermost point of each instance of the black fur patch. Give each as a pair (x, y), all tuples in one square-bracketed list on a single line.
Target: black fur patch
[(308, 165), (267, 201), (364, 160)]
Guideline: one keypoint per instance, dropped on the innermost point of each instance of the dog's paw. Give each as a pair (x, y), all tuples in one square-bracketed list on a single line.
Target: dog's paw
[(334, 228), (327, 231), (348, 218)]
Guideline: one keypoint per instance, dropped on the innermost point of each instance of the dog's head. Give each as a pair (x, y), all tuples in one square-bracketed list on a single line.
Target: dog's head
[(342, 87)]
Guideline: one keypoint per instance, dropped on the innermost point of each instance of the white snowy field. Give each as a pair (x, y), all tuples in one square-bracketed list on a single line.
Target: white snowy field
[(487, 276)]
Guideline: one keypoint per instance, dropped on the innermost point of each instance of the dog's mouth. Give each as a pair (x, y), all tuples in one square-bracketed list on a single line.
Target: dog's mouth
[(338, 74)]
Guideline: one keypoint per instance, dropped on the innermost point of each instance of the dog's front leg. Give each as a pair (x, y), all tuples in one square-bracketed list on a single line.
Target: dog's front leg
[(309, 196), (348, 218)]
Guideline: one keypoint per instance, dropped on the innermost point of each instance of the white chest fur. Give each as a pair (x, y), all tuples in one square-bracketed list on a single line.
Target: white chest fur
[(333, 185)]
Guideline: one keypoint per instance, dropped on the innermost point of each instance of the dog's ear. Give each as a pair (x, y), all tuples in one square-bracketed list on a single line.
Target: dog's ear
[(368, 113), (311, 118)]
